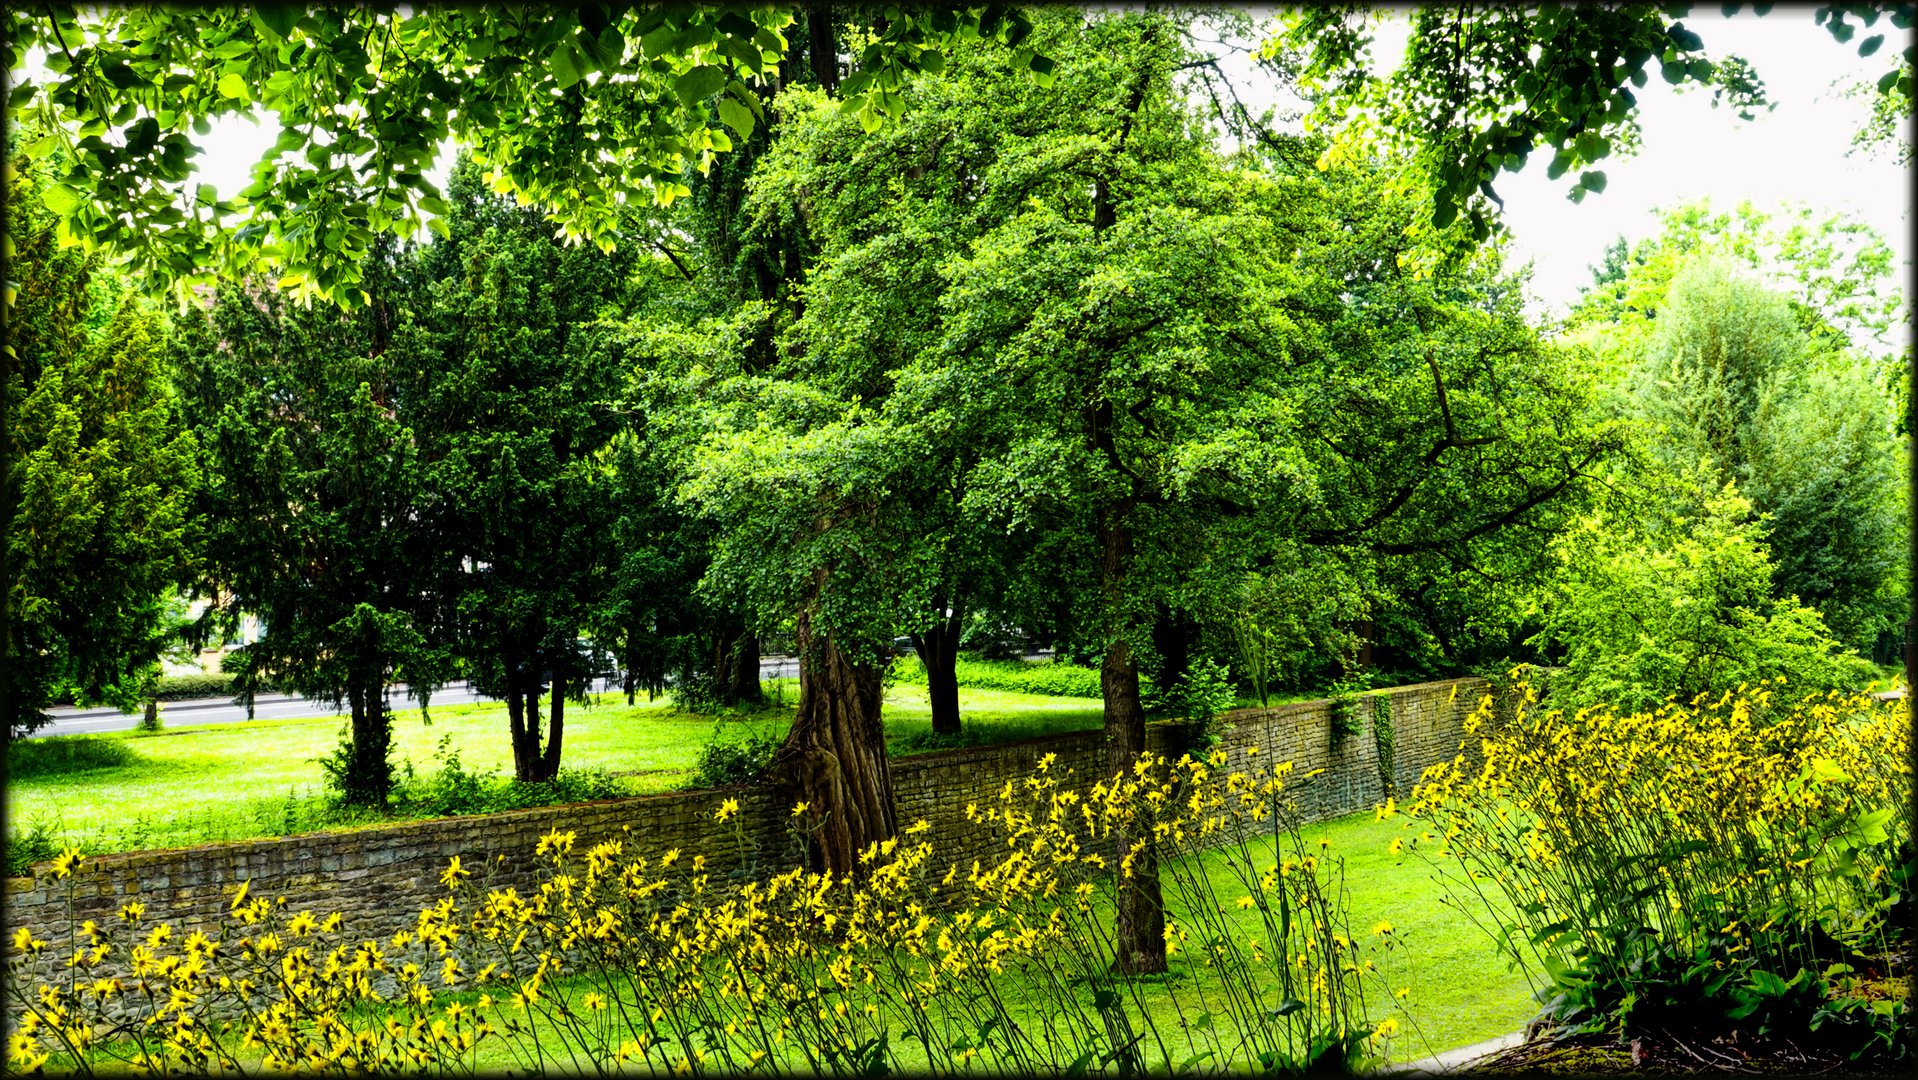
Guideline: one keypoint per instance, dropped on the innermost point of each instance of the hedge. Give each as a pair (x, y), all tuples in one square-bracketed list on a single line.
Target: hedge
[(1016, 676)]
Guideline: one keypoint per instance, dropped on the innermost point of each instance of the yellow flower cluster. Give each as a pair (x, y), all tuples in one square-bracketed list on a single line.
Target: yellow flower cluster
[(1734, 823), (624, 960)]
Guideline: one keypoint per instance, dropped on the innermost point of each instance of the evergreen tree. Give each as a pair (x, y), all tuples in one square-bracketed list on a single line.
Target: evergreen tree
[(99, 481), (316, 505)]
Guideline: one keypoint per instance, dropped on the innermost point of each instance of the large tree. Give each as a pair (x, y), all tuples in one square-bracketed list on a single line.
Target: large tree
[(315, 506), (99, 480), (514, 410)]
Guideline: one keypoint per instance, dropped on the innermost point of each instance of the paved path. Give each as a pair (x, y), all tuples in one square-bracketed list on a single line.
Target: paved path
[(1459, 1060), (71, 721)]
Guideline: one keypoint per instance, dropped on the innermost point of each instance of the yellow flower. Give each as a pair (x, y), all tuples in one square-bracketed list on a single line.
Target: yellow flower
[(239, 894), (68, 861), (1384, 927), (454, 872), (800, 808), (595, 1002), (726, 810), (132, 910), (1245, 902)]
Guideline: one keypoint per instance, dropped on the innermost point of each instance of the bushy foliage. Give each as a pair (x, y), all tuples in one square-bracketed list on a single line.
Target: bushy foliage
[(724, 761), (1727, 862), (1636, 619), (646, 963), (189, 687), (100, 477), (453, 789), (37, 843)]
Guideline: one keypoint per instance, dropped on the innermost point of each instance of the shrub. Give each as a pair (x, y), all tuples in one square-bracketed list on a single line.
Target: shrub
[(1693, 613), (1708, 866), (631, 962), (724, 761), (37, 844), (452, 790), (189, 687)]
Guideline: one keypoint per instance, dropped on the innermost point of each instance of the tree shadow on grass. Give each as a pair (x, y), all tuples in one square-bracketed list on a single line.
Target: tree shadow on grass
[(36, 758)]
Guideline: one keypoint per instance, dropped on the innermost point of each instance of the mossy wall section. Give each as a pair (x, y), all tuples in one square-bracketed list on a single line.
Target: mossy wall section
[(379, 878)]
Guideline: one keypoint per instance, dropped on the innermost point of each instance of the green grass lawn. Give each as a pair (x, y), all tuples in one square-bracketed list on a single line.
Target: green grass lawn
[(126, 792)]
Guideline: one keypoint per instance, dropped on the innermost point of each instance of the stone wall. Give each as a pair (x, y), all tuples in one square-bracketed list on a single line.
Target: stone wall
[(381, 877)]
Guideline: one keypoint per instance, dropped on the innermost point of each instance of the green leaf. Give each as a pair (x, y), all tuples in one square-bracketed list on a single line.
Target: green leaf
[(41, 147), (277, 19), (1042, 68), (1592, 180), (1886, 81), (700, 83), (62, 199), (233, 85), (567, 66), (1870, 44), (206, 195), (736, 116)]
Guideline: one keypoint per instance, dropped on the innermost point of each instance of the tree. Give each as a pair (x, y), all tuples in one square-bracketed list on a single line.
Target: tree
[(1142, 350), (1768, 390), (316, 509), (508, 425), (1639, 619), (578, 111), (99, 480)]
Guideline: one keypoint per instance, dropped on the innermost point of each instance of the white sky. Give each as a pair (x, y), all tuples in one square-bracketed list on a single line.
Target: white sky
[(1796, 153)]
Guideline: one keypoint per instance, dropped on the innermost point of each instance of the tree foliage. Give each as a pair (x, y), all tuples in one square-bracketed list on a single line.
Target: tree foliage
[(1692, 613), (576, 110), (315, 501), (100, 478), (1778, 391)]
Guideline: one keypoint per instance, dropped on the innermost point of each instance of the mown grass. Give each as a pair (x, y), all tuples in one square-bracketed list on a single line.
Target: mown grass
[(128, 792)]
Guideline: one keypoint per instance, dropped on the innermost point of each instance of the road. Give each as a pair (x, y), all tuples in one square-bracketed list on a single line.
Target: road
[(71, 721)]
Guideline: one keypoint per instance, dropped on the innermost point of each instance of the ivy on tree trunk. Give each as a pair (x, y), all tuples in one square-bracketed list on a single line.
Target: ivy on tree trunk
[(834, 758)]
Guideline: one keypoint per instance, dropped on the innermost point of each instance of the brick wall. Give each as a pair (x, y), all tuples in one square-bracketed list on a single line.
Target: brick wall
[(381, 877)]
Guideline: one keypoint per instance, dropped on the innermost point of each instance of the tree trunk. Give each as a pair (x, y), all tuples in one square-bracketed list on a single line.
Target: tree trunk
[(745, 686), (368, 780), (522, 714), (1172, 637), (1140, 934), (822, 50), (834, 759), (555, 732), (938, 650)]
